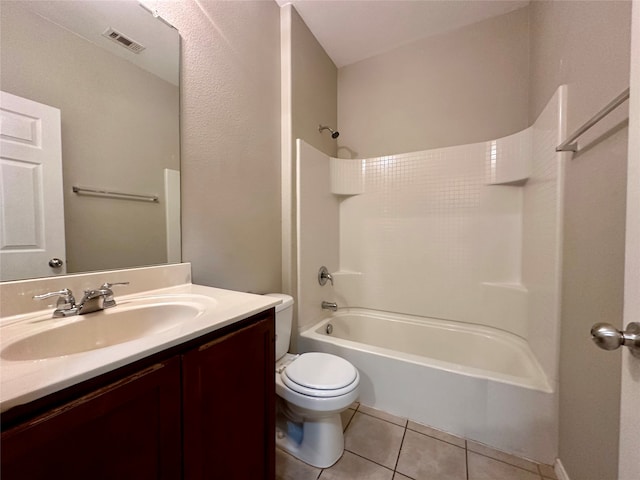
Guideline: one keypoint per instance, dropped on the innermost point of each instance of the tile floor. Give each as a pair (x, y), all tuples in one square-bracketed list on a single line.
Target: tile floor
[(381, 446)]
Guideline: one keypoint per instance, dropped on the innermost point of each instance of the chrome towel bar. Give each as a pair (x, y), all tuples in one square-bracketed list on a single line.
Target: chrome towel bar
[(121, 195), (570, 144)]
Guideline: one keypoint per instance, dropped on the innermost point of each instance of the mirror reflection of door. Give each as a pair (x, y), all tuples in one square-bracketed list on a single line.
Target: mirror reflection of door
[(31, 201), (120, 121)]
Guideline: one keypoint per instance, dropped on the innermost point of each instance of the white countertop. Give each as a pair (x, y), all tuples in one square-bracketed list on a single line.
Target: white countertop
[(22, 381)]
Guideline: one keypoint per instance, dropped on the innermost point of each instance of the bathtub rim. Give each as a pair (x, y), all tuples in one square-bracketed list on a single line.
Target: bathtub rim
[(538, 383)]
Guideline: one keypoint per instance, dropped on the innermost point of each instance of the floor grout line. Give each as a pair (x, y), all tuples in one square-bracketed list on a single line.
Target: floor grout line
[(395, 467), (406, 421), (367, 459), (537, 472), (349, 422), (466, 459)]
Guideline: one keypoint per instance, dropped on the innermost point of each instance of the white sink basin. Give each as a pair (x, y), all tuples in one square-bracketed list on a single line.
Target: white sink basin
[(161, 309), (129, 321)]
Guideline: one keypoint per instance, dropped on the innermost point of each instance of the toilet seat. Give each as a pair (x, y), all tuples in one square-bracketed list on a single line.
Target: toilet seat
[(320, 375)]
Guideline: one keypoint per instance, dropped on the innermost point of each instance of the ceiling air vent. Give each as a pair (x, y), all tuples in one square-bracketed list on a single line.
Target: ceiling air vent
[(121, 39)]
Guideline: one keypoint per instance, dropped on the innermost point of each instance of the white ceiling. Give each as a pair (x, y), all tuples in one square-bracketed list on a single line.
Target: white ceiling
[(352, 30)]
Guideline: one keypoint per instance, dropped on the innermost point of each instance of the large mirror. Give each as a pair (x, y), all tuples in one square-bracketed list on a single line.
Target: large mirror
[(111, 70)]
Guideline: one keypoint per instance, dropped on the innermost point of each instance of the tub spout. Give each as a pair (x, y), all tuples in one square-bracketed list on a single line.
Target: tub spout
[(333, 306)]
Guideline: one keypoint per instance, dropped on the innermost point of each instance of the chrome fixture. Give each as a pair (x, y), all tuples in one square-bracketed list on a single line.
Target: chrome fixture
[(334, 133), (98, 192), (92, 300), (570, 144), (608, 337), (99, 299), (329, 329), (333, 306), (323, 276), (66, 304), (55, 263)]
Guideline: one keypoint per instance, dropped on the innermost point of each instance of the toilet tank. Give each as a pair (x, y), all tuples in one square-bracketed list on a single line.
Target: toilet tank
[(284, 320)]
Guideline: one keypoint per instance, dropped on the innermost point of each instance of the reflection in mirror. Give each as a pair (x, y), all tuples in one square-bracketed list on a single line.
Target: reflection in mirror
[(110, 69)]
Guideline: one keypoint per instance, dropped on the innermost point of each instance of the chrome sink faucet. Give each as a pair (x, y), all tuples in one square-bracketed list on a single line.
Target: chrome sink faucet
[(92, 300), (98, 299)]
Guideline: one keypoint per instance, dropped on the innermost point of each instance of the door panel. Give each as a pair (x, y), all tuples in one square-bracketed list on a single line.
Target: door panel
[(629, 460), (31, 203)]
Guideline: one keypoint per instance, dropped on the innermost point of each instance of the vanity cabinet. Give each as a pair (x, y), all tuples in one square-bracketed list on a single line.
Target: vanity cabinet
[(202, 410), (128, 429), (229, 395)]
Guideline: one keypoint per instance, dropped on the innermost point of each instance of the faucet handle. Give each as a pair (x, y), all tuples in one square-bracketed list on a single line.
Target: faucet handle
[(66, 296), (107, 286), (108, 299), (324, 275), (66, 304)]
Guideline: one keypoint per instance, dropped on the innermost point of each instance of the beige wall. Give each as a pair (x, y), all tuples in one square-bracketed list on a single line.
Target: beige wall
[(310, 84), (314, 88), (119, 131), (230, 106), (461, 87), (586, 45)]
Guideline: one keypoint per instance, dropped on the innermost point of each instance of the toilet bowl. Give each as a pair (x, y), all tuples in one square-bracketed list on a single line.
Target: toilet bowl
[(313, 389)]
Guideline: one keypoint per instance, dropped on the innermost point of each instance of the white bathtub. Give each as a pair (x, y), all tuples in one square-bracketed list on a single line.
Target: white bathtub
[(476, 382)]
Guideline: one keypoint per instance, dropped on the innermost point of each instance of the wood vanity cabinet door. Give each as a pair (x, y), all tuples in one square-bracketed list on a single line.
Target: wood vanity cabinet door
[(229, 406), (129, 429)]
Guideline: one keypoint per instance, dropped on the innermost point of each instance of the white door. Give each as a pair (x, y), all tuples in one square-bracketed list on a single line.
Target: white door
[(629, 461), (31, 204)]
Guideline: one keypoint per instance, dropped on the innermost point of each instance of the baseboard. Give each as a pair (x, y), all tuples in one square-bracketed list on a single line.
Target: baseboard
[(561, 473)]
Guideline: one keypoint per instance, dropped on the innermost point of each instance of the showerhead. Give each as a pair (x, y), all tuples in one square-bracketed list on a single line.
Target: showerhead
[(334, 133)]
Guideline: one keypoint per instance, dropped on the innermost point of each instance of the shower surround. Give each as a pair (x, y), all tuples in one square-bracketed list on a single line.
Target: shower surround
[(468, 234)]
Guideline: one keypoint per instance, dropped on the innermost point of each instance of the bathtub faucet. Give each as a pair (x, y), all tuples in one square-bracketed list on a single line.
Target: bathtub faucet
[(333, 306)]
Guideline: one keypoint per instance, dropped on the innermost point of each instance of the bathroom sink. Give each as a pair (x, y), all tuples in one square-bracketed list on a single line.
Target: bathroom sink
[(123, 323)]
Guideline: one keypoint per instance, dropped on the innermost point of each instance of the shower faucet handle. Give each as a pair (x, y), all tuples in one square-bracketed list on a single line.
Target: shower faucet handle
[(324, 275)]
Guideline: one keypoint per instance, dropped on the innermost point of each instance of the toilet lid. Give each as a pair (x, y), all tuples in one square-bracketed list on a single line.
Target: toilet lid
[(320, 375)]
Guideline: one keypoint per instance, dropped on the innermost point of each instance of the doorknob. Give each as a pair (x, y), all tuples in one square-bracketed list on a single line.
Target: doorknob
[(608, 337), (55, 263)]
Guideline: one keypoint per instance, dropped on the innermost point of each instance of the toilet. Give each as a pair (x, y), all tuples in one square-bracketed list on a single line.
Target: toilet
[(312, 390)]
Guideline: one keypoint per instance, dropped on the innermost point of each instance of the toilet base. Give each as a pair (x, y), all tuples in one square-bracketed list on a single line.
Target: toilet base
[(318, 442)]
